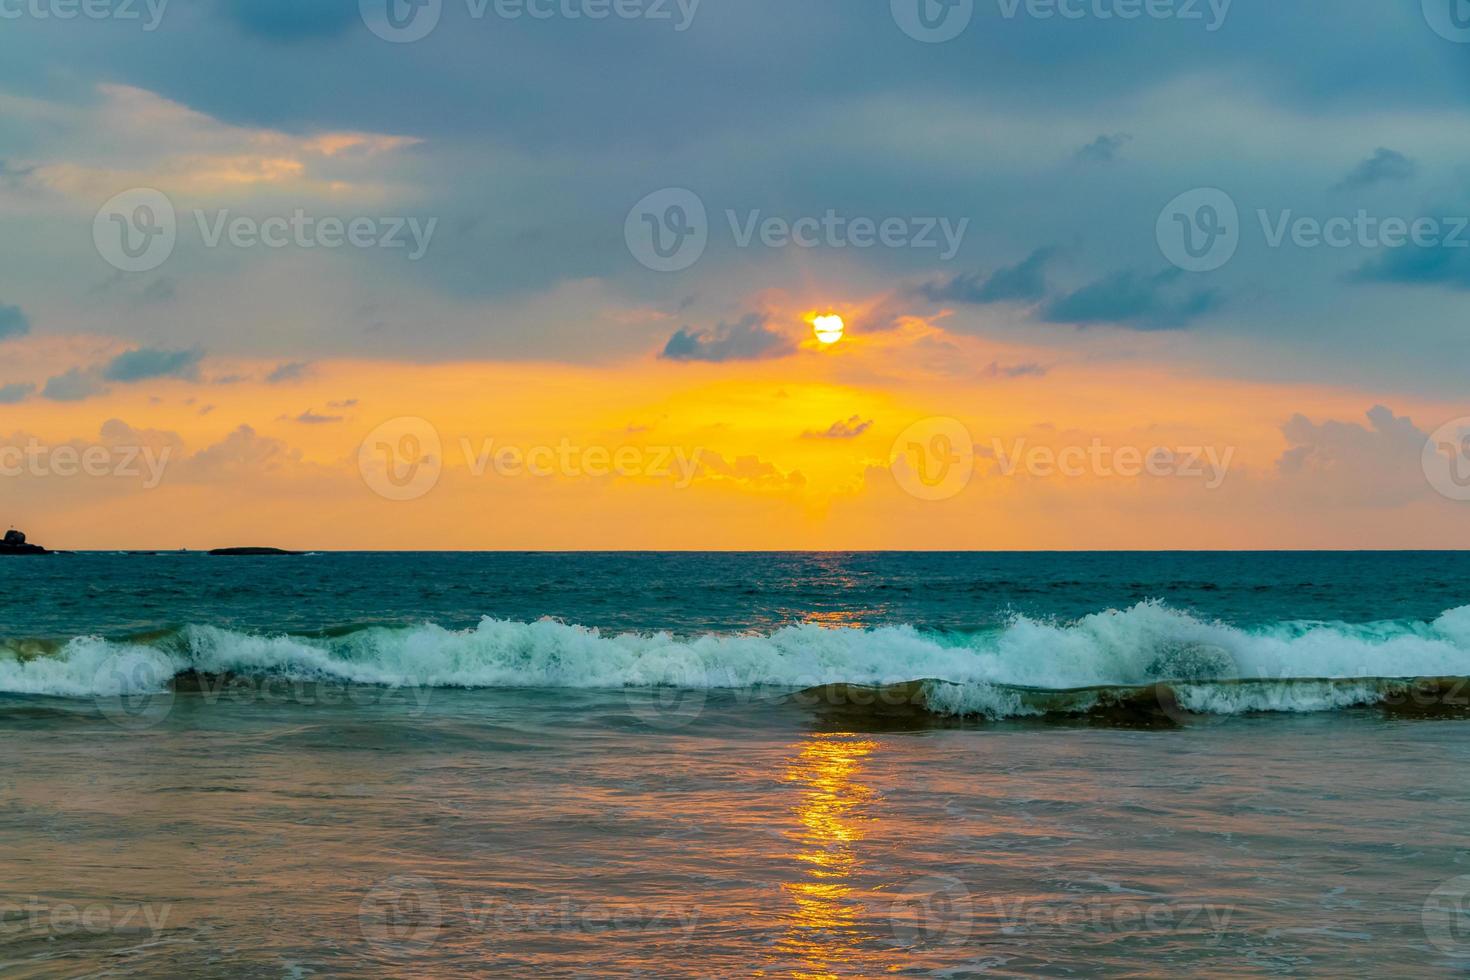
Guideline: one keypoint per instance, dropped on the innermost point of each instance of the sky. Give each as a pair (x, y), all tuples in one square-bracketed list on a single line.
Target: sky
[(544, 274)]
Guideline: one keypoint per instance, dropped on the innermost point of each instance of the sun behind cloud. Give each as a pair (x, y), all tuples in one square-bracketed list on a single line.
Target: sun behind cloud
[(828, 328)]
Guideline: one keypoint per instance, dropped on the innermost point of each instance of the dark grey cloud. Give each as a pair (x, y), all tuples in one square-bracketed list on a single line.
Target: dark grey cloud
[(309, 417), (11, 176), (17, 392), (995, 369), (1024, 282), (1163, 301), (849, 428), (145, 363), (159, 291), (1383, 165), (291, 371), (294, 20), (13, 322), (748, 339), (1104, 149), (73, 386), (1435, 265)]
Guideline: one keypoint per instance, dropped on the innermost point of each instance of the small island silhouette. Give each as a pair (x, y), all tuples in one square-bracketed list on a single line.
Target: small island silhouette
[(15, 544)]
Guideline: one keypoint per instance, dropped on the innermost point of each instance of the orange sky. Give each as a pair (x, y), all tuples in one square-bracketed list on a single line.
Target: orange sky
[(791, 452)]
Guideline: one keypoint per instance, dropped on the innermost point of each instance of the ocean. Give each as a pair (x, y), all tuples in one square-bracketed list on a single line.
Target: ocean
[(773, 765)]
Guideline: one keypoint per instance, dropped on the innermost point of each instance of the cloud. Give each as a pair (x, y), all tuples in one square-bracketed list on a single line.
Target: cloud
[(159, 291), (995, 369), (1442, 264), (73, 386), (1129, 299), (14, 176), (292, 20), (1378, 464), (1024, 282), (291, 371), (18, 392), (145, 363), (1104, 149), (1383, 165), (748, 339), (13, 323), (749, 470), (850, 428), (309, 417), (241, 455)]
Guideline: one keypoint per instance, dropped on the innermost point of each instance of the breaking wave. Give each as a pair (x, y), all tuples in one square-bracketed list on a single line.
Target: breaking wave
[(1116, 661)]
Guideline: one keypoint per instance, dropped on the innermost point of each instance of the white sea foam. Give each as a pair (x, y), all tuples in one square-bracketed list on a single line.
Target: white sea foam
[(1147, 643)]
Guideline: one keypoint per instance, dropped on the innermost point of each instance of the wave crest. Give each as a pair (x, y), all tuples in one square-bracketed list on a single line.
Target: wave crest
[(999, 673)]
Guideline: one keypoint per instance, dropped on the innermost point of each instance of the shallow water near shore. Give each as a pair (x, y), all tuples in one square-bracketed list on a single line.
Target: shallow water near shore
[(247, 780)]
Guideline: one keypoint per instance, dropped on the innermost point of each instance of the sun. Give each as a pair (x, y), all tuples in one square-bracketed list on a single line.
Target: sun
[(828, 327)]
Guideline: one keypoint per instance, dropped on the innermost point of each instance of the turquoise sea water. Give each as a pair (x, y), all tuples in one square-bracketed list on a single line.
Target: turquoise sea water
[(774, 765)]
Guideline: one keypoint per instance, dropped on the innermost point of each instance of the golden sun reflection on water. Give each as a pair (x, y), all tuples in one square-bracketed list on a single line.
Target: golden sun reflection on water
[(825, 931)]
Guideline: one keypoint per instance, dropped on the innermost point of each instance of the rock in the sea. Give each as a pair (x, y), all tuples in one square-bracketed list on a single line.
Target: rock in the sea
[(248, 552), (15, 544)]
